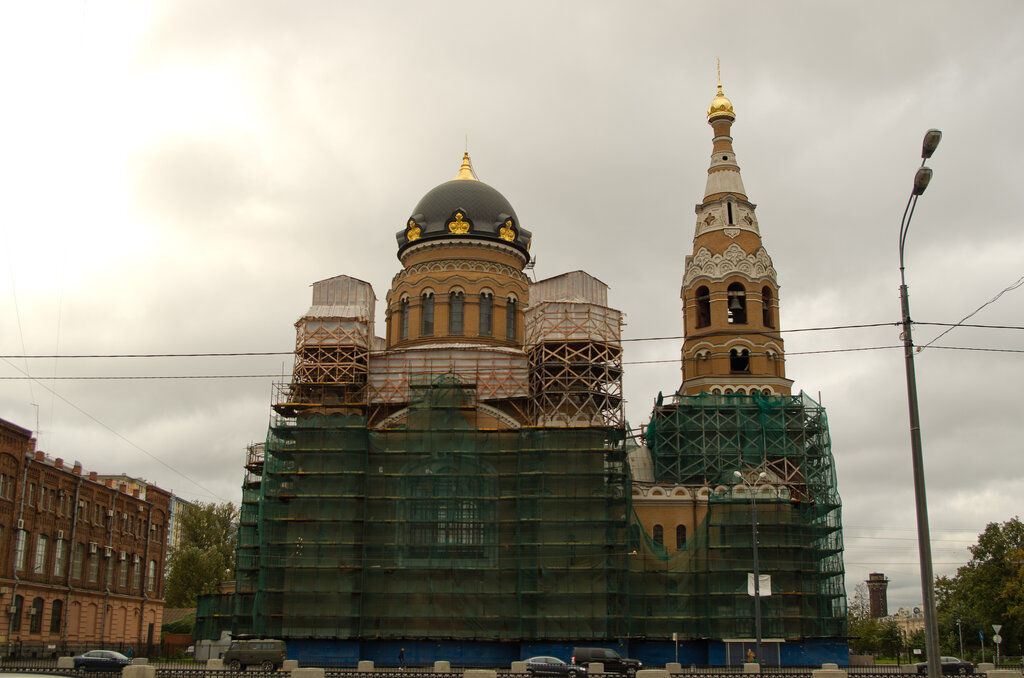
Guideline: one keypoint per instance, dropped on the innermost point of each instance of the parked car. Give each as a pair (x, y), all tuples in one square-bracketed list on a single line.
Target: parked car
[(950, 666), (267, 654), (553, 666), (101, 660), (612, 660)]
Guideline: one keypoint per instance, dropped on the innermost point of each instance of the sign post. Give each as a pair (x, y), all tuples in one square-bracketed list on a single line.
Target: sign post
[(675, 639), (981, 634), (997, 639)]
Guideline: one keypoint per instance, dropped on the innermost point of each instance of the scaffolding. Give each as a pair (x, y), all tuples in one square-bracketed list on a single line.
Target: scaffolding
[(438, 529), (698, 442)]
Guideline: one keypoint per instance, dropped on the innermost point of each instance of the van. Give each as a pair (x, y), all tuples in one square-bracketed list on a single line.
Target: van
[(267, 654), (612, 660)]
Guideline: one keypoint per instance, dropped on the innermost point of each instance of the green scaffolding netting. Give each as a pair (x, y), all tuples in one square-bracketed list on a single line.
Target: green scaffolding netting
[(444, 529)]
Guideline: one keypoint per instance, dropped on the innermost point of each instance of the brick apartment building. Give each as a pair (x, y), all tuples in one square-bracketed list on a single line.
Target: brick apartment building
[(81, 557)]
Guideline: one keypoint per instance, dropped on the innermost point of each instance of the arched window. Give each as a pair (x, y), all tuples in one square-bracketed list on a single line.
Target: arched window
[(659, 534), (739, 360), (403, 325), (486, 314), (455, 304), (680, 537), (766, 307), (35, 624), (56, 615), (427, 316), (703, 300), (19, 603), (728, 207), (151, 576), (510, 319), (737, 304)]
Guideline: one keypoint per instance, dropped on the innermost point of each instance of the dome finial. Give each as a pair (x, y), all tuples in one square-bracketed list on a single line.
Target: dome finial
[(720, 106), (466, 170)]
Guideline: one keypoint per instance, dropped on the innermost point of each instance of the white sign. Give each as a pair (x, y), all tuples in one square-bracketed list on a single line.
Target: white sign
[(764, 584), (997, 639), (997, 627)]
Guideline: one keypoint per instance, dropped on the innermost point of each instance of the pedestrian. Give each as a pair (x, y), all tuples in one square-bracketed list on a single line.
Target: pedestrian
[(401, 658), (131, 651)]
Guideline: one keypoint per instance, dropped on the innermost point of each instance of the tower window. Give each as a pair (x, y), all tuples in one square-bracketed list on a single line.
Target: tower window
[(703, 307), (739, 360), (403, 322), (766, 307), (455, 303), (510, 319), (728, 207), (427, 319), (486, 314), (659, 534), (737, 304), (680, 537)]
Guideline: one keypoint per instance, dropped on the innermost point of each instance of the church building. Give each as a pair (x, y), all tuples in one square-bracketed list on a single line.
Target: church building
[(464, 486)]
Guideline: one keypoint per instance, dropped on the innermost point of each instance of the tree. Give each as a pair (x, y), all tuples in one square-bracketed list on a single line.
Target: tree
[(987, 590), (206, 554)]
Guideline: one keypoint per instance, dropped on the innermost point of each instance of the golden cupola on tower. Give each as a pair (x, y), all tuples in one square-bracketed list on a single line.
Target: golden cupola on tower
[(730, 291)]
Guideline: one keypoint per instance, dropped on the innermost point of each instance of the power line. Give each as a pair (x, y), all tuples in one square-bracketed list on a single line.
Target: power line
[(1012, 286)]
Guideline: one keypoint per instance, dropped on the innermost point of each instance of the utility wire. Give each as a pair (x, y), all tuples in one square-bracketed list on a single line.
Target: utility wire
[(116, 433), (1013, 286)]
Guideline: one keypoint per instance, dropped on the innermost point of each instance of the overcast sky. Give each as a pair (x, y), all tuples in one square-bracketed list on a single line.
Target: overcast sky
[(174, 175)]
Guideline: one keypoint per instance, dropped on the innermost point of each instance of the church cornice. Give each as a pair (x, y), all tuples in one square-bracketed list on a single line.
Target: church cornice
[(734, 261), (462, 266)]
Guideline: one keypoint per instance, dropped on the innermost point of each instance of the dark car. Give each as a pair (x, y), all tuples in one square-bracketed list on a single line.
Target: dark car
[(101, 660), (553, 666), (950, 666), (612, 660)]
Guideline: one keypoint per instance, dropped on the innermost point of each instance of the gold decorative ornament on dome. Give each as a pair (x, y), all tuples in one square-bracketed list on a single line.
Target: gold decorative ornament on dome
[(466, 170), (413, 232), (507, 232), (457, 225), (720, 106)]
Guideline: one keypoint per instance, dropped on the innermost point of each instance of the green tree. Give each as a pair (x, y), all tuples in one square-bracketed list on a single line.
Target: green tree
[(206, 555), (988, 590)]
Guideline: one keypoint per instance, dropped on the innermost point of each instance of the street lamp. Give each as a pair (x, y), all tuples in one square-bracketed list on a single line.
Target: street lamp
[(757, 571), (960, 631), (931, 627)]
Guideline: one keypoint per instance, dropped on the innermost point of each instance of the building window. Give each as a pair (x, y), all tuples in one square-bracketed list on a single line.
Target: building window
[(703, 300), (56, 615), (510, 319), (680, 537), (427, 319), (60, 558), (19, 550), (486, 314), (94, 568), (728, 207), (122, 572), (76, 560), (151, 576), (19, 604), (455, 304), (659, 534), (739, 360), (35, 623), (110, 571), (766, 307), (403, 324), (31, 492), (737, 304), (136, 574), (39, 565)]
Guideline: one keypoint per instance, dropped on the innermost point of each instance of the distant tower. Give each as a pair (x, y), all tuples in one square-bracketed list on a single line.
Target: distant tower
[(877, 584), (730, 292)]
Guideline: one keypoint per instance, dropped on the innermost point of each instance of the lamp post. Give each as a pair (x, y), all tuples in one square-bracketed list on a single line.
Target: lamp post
[(757, 571), (931, 628), (960, 632)]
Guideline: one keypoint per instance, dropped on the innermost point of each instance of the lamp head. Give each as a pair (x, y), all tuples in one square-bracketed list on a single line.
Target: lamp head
[(931, 141), (762, 474), (921, 179), (737, 474)]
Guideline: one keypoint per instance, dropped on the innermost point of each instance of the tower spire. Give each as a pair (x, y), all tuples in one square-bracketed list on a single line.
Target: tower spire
[(466, 170), (730, 292)]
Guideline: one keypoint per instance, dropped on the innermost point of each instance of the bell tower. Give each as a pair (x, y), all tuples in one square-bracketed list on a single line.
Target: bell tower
[(730, 292)]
